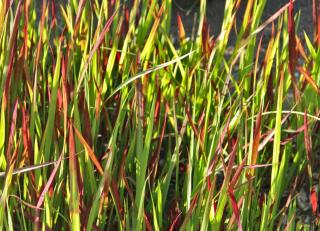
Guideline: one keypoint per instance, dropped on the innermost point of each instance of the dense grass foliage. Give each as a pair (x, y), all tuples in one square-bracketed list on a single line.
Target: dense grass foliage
[(107, 122)]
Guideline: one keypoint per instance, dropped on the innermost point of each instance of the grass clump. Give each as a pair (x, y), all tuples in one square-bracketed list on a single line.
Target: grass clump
[(107, 123)]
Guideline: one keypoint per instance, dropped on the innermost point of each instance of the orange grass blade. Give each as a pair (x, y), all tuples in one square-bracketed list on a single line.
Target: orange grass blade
[(89, 150)]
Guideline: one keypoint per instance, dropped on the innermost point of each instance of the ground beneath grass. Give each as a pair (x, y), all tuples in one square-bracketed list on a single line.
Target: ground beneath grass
[(215, 9)]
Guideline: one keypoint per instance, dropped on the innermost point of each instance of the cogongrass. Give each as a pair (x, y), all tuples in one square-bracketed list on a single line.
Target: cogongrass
[(107, 124)]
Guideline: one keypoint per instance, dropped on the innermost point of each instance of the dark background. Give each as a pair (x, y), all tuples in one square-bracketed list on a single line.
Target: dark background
[(215, 9)]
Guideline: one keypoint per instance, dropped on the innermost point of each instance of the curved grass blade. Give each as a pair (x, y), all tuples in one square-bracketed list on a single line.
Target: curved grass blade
[(148, 71)]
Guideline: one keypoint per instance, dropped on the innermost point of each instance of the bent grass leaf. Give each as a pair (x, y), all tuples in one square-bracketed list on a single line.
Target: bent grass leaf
[(148, 71), (89, 151), (50, 180)]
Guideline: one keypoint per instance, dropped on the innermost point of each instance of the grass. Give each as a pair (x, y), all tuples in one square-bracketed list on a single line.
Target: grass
[(107, 122)]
